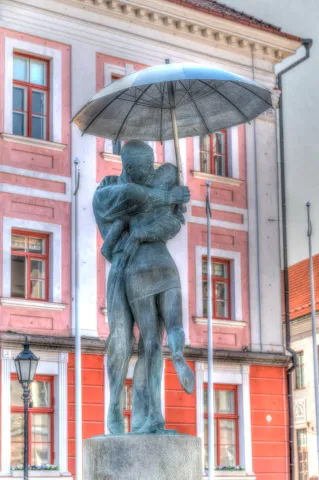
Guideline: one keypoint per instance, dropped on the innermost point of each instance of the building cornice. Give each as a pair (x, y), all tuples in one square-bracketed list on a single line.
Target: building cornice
[(195, 24), (98, 346)]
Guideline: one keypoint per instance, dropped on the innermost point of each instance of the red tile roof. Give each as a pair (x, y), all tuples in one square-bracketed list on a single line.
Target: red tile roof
[(299, 288), (220, 10)]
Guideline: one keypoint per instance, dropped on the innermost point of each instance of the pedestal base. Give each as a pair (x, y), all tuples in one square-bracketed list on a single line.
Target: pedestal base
[(142, 457)]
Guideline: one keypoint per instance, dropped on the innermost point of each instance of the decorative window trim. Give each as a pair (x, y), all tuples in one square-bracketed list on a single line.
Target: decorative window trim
[(130, 374), (55, 292), (233, 155), (236, 288), (53, 364), (243, 227), (217, 322), (33, 142), (228, 375), (12, 46), (33, 304)]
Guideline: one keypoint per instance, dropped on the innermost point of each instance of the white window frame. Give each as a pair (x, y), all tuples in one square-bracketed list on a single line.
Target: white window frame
[(129, 376), (228, 375), (53, 364), (14, 46), (232, 153), (55, 257), (235, 279)]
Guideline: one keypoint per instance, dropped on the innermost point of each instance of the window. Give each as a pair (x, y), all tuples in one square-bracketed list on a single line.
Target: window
[(221, 288), (127, 405), (213, 153), (226, 425), (40, 422), (30, 96), (302, 446), (300, 379), (29, 265)]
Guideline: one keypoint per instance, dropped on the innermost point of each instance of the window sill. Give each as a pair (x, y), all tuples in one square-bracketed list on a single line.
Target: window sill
[(231, 475), (111, 157), (235, 182), (33, 142), (39, 474), (34, 304), (217, 322)]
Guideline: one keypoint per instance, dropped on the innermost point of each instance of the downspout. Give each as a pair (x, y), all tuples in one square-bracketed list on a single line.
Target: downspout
[(307, 43)]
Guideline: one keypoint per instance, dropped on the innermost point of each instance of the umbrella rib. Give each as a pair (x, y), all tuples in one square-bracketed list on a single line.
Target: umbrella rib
[(102, 110), (198, 111), (227, 99), (261, 98), (161, 122), (130, 110)]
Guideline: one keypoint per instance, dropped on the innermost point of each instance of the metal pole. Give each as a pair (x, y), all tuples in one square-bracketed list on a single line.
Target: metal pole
[(78, 366), (211, 459), (26, 432), (313, 323)]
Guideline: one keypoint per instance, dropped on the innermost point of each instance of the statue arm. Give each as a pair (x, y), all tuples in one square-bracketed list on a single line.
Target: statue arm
[(160, 229), (112, 235), (112, 202)]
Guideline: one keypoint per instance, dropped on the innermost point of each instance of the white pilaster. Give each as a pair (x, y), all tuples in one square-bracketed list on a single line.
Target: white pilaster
[(200, 373), (6, 358), (62, 402), (246, 457)]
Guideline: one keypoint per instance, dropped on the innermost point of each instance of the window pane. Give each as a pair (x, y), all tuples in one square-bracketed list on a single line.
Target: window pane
[(38, 102), (222, 309), (19, 243), (37, 269), (126, 424), (225, 401), (227, 432), (205, 400), (37, 289), (40, 428), (18, 276), (220, 269), (17, 450), (127, 398), (219, 142), (41, 393), (38, 72), (20, 68), (204, 267), (17, 423), (206, 443), (220, 165), (40, 453), (18, 126), (16, 394), (204, 146), (36, 245), (38, 127), (302, 438), (221, 291), (228, 455), (19, 98)]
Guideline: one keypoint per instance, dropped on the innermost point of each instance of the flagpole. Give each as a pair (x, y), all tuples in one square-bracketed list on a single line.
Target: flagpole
[(78, 360), (211, 459), (313, 324)]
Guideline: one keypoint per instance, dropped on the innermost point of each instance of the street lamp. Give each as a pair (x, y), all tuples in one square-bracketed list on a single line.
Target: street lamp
[(26, 364)]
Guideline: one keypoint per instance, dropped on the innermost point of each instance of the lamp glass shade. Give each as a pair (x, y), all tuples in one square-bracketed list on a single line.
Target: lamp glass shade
[(26, 364)]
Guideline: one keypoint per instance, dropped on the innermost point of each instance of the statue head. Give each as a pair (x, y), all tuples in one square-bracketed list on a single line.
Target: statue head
[(138, 162), (165, 176)]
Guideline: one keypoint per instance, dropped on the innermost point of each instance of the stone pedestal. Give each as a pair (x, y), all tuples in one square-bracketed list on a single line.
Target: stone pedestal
[(142, 457)]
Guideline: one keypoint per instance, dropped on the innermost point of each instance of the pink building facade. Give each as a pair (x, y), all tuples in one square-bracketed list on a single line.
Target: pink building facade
[(44, 80)]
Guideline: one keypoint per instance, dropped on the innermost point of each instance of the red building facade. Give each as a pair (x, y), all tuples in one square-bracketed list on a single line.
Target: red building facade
[(44, 80)]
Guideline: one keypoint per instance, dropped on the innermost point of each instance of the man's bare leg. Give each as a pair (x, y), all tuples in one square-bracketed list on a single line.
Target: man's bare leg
[(170, 305)]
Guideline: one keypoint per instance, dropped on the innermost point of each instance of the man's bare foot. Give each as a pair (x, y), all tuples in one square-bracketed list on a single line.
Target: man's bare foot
[(115, 421), (185, 374)]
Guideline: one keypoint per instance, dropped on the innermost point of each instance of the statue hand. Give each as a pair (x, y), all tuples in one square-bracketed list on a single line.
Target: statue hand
[(179, 195)]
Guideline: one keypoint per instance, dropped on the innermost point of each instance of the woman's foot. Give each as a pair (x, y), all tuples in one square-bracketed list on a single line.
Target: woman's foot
[(185, 374)]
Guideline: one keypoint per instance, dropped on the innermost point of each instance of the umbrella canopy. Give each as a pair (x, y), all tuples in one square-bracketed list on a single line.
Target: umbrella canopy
[(205, 100)]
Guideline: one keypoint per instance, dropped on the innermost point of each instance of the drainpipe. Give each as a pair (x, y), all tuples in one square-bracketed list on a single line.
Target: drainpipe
[(307, 43)]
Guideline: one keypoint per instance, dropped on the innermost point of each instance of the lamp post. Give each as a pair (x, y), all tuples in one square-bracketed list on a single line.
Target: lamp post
[(26, 364)]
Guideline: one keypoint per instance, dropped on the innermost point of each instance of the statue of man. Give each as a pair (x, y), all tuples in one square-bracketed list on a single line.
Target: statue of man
[(136, 217)]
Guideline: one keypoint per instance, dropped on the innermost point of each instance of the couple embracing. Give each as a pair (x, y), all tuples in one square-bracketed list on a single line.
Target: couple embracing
[(137, 213)]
